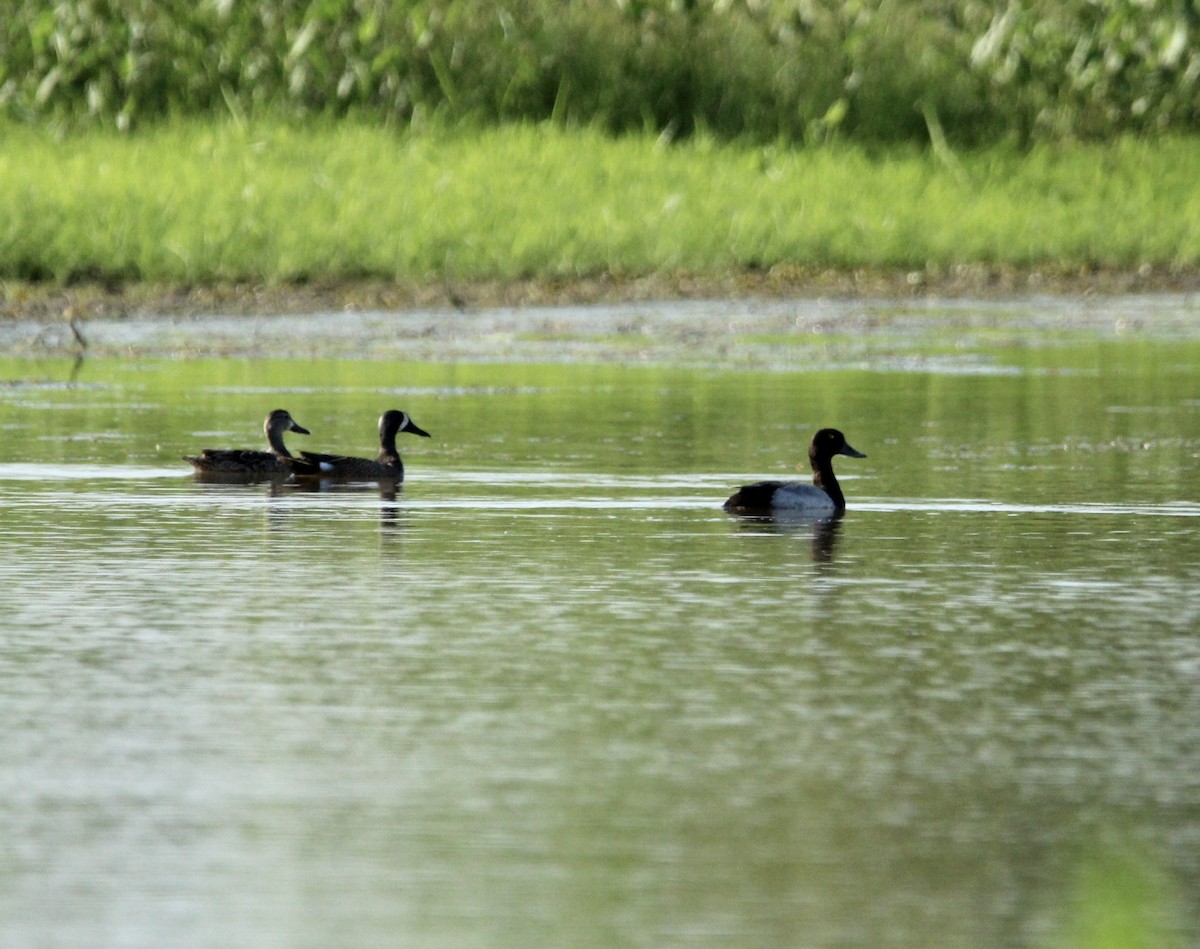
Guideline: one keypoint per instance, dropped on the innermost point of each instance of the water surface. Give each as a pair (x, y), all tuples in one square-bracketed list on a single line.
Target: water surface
[(549, 694)]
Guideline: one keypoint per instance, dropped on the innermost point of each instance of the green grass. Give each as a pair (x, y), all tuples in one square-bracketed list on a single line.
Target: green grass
[(210, 203)]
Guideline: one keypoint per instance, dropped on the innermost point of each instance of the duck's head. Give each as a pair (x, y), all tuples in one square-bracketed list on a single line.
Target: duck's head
[(393, 422), (281, 421), (829, 442)]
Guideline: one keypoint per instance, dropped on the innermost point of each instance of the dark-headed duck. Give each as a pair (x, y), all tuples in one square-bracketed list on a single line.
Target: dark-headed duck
[(384, 466), (823, 496)]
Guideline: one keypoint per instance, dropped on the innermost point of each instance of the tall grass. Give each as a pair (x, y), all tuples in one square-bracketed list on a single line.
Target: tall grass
[(794, 70), (208, 203)]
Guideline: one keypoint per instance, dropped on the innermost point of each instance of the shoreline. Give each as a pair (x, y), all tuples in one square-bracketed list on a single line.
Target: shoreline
[(21, 300)]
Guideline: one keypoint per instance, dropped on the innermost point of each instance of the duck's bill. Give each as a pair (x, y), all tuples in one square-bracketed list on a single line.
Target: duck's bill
[(300, 429), (852, 453), (412, 429)]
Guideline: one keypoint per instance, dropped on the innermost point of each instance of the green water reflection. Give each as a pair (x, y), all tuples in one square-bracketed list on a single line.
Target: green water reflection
[(550, 694)]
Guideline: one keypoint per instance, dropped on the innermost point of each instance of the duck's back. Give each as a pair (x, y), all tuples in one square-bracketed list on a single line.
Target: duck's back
[(767, 496), (750, 498), (349, 466), (236, 459)]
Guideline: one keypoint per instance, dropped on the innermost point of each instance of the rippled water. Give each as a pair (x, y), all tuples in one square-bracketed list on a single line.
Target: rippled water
[(551, 694)]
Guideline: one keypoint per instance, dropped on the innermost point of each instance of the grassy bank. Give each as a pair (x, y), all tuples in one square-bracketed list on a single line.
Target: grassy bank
[(207, 205)]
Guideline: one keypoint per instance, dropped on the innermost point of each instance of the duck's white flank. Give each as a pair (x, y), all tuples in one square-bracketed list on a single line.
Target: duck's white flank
[(798, 496)]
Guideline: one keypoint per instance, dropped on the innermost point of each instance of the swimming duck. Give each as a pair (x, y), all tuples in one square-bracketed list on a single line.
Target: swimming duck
[(823, 496), (242, 461), (386, 465)]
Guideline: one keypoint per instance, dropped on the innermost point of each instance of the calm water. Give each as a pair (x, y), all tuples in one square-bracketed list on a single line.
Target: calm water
[(551, 695)]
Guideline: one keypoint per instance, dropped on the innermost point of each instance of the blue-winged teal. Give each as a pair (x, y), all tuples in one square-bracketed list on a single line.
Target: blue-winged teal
[(823, 496), (249, 463), (386, 465)]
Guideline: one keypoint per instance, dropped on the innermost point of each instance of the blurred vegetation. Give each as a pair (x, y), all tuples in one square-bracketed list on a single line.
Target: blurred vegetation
[(1123, 899), (769, 70)]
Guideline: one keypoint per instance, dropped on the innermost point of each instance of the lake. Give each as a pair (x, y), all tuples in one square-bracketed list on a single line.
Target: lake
[(550, 693)]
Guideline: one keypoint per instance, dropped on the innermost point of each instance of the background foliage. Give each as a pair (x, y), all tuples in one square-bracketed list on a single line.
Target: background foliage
[(791, 70)]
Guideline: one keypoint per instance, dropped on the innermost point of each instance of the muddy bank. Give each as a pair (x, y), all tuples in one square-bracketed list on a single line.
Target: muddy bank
[(928, 331), (89, 300)]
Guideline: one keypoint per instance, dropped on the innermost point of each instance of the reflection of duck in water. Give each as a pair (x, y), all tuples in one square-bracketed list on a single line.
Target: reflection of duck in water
[(247, 463), (825, 530), (822, 498), (388, 490), (385, 466)]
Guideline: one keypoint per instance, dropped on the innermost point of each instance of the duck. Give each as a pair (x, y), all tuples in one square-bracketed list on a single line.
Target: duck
[(247, 462), (384, 466), (822, 497)]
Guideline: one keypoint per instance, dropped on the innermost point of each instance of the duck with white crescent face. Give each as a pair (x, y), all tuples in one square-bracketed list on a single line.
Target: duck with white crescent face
[(386, 465)]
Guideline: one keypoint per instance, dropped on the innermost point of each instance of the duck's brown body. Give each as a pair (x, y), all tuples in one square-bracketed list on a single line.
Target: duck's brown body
[(245, 462)]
